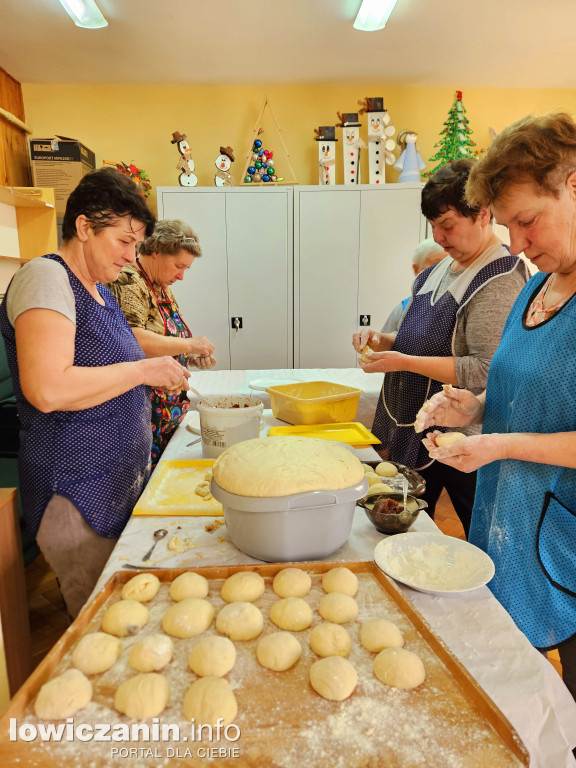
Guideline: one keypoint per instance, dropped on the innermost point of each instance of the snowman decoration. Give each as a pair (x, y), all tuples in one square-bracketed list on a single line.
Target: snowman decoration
[(223, 162), (410, 164), (381, 145), (326, 138), (351, 146), (187, 177)]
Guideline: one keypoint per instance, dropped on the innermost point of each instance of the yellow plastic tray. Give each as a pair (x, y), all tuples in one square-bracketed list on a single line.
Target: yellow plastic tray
[(353, 433), (171, 490)]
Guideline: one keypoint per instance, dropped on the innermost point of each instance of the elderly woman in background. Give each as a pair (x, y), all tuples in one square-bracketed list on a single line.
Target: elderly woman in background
[(449, 331), (81, 383), (143, 292), (525, 510)]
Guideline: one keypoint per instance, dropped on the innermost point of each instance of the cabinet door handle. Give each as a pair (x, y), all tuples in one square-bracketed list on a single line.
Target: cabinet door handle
[(364, 320), (236, 323)]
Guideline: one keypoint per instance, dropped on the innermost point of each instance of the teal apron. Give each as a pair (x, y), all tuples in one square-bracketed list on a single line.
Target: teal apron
[(167, 410), (524, 514)]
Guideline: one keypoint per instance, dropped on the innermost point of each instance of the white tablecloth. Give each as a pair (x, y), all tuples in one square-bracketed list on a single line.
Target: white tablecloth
[(474, 625)]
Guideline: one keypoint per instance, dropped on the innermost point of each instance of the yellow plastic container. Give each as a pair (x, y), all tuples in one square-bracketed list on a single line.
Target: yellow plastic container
[(314, 402)]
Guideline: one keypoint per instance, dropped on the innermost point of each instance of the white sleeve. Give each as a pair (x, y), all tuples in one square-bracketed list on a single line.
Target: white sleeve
[(40, 284)]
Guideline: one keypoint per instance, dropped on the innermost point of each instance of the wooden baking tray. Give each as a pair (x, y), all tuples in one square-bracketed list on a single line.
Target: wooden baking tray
[(448, 720)]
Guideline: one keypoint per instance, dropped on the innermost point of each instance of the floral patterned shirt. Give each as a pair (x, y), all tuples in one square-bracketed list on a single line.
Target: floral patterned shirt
[(537, 312)]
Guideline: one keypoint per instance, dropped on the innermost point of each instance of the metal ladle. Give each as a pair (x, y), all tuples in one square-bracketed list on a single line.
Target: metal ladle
[(159, 534)]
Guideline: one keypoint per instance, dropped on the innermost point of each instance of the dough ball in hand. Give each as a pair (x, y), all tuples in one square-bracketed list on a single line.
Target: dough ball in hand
[(448, 438), (364, 352)]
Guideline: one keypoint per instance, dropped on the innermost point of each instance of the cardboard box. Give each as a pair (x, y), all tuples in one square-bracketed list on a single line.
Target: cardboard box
[(60, 163)]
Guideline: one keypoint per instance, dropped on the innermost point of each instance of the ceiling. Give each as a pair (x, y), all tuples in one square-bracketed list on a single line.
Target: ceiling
[(476, 43)]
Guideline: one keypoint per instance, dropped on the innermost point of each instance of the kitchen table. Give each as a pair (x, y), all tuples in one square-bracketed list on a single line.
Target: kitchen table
[(474, 625)]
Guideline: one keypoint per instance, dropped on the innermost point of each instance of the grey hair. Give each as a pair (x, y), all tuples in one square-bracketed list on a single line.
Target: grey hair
[(425, 249), (171, 236)]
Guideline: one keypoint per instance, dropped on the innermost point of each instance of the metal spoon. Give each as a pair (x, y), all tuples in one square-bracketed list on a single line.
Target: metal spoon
[(159, 534), (405, 515), (201, 397)]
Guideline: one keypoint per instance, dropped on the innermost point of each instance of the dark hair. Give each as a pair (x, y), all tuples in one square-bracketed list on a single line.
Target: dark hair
[(103, 196), (446, 190)]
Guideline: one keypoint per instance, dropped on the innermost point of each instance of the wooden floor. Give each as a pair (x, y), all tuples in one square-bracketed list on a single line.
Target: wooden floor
[(49, 619)]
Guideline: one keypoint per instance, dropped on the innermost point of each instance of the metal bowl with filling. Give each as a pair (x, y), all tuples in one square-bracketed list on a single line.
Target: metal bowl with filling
[(387, 514)]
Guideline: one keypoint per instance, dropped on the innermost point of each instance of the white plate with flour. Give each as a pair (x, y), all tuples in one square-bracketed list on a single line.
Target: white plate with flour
[(434, 563)]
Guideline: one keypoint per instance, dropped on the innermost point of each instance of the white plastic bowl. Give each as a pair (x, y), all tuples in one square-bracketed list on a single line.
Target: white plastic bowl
[(302, 526)]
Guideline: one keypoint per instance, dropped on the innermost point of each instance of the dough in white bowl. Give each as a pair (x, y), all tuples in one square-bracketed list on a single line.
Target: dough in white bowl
[(188, 585), (63, 696), (143, 696), (292, 582), (449, 438), (212, 656), (208, 699), (340, 579), (143, 587), (240, 621), (188, 618), (377, 634), (386, 469), (338, 608), (334, 678), (243, 587), (328, 639), (292, 614), (96, 653), (126, 617), (151, 654), (399, 668), (278, 651)]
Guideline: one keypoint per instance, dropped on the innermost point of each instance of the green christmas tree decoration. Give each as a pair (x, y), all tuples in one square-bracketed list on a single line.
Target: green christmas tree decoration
[(455, 142)]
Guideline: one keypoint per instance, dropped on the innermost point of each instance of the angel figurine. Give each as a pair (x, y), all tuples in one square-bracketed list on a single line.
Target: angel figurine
[(410, 164)]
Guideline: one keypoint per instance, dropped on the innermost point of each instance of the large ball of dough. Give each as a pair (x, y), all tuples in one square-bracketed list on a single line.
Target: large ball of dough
[(449, 438), (152, 653), (243, 587), (333, 678), (63, 696), (143, 696), (329, 639), (188, 618), (240, 621), (143, 587), (377, 634), (96, 653), (292, 582), (338, 608), (208, 699), (340, 580), (126, 617), (212, 656), (399, 668), (291, 613), (386, 469), (188, 585), (278, 651)]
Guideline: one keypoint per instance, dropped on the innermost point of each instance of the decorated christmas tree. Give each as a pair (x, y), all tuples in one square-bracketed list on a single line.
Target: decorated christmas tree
[(455, 142)]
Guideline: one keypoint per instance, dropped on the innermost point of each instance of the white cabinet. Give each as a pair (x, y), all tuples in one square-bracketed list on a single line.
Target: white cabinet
[(245, 271), (352, 259)]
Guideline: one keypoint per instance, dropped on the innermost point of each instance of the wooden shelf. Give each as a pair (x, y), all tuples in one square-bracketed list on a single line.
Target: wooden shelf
[(12, 196)]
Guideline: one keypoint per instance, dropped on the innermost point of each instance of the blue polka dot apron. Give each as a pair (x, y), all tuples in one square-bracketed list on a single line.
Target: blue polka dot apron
[(167, 410), (428, 330), (99, 457), (524, 514)]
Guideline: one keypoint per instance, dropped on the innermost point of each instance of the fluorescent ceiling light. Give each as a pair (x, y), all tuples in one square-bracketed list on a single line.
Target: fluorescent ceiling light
[(373, 14), (84, 13)]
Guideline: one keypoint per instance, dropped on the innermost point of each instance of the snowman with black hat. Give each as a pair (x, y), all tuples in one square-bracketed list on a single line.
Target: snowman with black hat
[(185, 164), (223, 163)]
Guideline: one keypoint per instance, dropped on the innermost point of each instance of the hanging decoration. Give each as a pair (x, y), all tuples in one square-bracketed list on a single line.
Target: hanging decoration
[(138, 176), (455, 142), (351, 146), (326, 138), (381, 145), (261, 166), (185, 164), (223, 162), (410, 164)]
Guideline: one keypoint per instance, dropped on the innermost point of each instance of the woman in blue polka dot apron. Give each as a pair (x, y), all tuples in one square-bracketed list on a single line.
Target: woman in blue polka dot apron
[(448, 333), (525, 510), (143, 292), (82, 384)]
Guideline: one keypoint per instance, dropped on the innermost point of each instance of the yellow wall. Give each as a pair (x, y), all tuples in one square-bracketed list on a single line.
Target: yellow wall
[(134, 123)]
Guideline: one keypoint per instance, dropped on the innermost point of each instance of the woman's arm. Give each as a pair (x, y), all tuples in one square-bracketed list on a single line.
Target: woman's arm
[(51, 382), (439, 368), (155, 345)]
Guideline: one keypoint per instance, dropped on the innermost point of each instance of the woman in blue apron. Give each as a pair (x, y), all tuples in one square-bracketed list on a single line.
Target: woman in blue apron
[(82, 384), (143, 292), (524, 515), (449, 331)]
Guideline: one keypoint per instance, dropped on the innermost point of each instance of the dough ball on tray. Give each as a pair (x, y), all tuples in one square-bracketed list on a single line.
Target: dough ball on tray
[(126, 617), (278, 651), (96, 652), (142, 587), (62, 696)]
